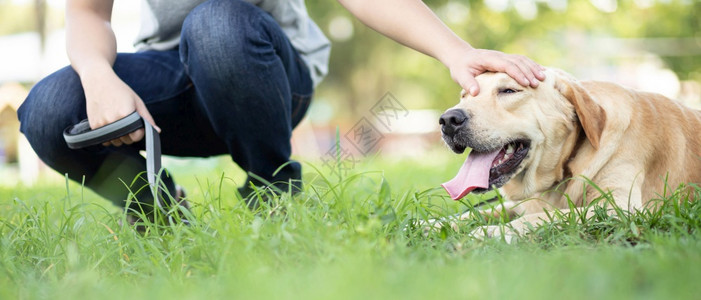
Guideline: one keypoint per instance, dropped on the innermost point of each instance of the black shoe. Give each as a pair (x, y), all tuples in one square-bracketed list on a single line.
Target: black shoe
[(136, 220), (255, 190)]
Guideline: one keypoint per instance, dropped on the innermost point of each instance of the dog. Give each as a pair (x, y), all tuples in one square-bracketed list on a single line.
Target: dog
[(536, 146)]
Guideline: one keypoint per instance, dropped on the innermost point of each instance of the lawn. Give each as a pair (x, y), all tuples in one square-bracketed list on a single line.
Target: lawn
[(345, 237)]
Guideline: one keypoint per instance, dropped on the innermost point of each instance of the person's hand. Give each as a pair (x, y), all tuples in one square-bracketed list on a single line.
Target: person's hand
[(109, 99), (465, 65)]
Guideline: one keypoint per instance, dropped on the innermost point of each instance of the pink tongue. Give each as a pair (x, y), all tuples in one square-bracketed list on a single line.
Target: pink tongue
[(473, 174)]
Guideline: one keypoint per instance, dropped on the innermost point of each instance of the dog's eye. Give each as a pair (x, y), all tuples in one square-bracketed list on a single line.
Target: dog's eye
[(508, 91)]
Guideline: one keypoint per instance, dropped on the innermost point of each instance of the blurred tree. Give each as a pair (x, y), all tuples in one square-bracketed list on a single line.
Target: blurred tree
[(15, 18), (40, 17), (678, 19)]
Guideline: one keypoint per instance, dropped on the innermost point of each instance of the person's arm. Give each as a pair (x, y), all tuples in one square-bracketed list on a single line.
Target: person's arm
[(413, 24), (92, 49)]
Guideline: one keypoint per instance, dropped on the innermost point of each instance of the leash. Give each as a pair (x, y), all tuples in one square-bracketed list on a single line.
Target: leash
[(80, 136)]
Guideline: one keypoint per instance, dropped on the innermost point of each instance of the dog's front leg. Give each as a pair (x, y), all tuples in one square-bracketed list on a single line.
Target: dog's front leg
[(506, 208), (627, 199), (512, 230)]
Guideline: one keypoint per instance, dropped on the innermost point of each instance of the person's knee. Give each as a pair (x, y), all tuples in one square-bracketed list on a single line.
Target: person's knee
[(220, 17), (221, 32), (51, 105)]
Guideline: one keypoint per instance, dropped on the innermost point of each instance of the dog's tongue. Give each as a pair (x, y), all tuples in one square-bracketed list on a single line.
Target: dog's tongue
[(473, 174)]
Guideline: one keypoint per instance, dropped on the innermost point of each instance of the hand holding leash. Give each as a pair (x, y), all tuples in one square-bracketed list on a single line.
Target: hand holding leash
[(80, 136)]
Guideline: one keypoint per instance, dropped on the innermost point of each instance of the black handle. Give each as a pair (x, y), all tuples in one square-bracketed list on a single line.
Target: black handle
[(80, 135)]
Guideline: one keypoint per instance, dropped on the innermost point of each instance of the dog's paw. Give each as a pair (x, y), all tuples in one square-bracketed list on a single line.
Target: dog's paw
[(495, 231), (436, 225)]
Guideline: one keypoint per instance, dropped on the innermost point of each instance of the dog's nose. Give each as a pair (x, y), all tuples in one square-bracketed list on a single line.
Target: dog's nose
[(452, 120)]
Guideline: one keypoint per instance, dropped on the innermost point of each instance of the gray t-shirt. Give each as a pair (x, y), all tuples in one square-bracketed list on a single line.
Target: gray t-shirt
[(161, 21)]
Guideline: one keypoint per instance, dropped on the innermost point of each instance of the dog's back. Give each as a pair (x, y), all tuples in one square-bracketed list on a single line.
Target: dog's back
[(662, 136)]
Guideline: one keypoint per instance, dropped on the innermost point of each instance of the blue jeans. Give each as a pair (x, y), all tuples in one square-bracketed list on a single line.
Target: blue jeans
[(234, 86)]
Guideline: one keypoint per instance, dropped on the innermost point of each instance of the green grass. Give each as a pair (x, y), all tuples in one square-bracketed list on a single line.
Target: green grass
[(343, 238)]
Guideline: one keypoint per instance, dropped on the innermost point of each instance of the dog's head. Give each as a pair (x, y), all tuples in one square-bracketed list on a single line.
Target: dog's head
[(520, 137)]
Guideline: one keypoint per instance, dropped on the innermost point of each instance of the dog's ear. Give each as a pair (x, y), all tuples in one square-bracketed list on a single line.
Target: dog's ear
[(590, 114)]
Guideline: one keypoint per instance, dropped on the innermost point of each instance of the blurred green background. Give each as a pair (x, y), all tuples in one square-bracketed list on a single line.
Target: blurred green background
[(653, 45), (578, 36)]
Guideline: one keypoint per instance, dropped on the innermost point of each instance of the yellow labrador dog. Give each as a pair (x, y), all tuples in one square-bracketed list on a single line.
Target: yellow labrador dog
[(527, 143)]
